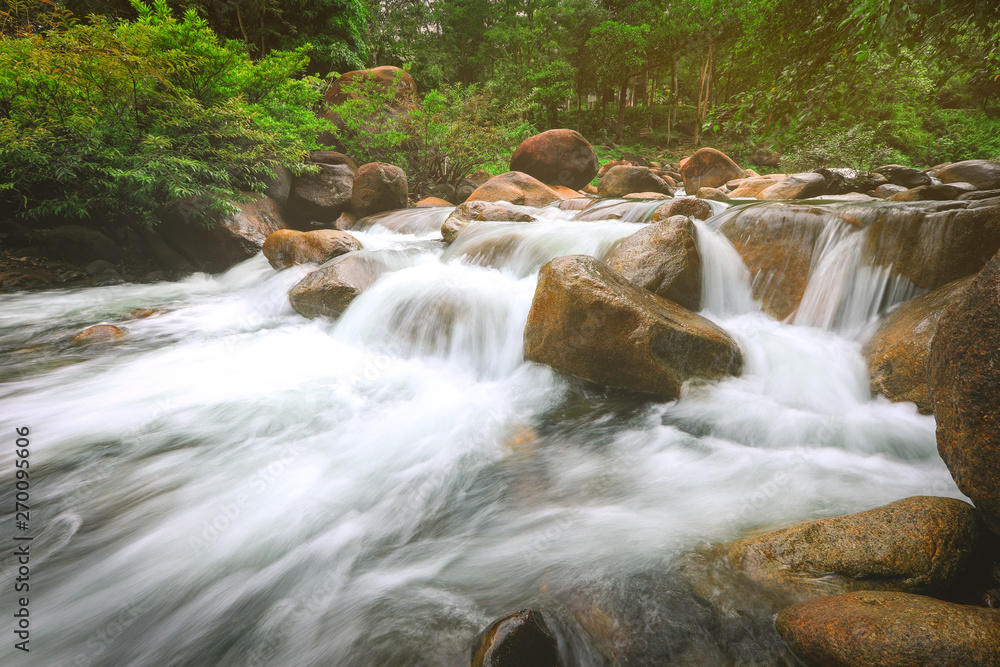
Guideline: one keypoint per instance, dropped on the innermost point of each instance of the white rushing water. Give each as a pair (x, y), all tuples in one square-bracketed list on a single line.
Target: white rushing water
[(234, 484)]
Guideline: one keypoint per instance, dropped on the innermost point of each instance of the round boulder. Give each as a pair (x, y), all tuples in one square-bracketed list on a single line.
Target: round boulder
[(796, 186), (378, 187), (329, 290), (692, 208), (98, 334), (984, 174), (557, 157), (517, 188), (625, 179), (521, 639), (877, 629), (904, 176), (321, 195), (287, 247), (708, 168)]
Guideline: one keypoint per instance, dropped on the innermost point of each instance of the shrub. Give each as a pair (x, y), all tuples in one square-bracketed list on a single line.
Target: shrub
[(114, 121)]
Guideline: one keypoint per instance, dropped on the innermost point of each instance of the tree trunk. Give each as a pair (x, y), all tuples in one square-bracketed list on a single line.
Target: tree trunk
[(702, 108), (620, 125)]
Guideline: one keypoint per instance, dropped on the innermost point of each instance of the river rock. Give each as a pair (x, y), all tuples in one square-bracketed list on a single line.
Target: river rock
[(965, 387), (796, 186), (378, 187), (887, 190), (646, 195), (327, 291), (279, 186), (904, 176), (922, 544), (332, 158), (98, 334), (776, 243), (79, 244), (233, 239), (473, 211), (984, 174), (751, 187), (320, 196), (765, 157), (430, 202), (708, 168), (517, 188), (898, 353), (714, 194), (288, 247), (692, 208), (932, 243), (982, 194), (879, 629), (521, 639), (587, 320), (662, 258), (939, 192), (557, 157), (624, 179)]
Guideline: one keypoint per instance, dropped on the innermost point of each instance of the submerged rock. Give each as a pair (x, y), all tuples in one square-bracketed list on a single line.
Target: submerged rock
[(476, 211), (708, 168), (98, 334), (587, 320), (625, 179), (517, 188), (662, 258), (878, 629), (557, 157), (898, 353), (965, 387), (521, 639), (378, 187), (287, 247), (330, 289)]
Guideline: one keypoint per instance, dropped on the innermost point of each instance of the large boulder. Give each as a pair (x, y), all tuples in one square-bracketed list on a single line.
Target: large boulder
[(922, 544), (321, 196), (751, 187), (708, 168), (82, 245), (587, 320), (904, 176), (476, 211), (517, 188), (796, 186), (385, 78), (233, 239), (288, 247), (625, 179), (776, 243), (878, 629), (965, 387), (662, 258), (938, 192), (692, 208), (897, 354), (557, 157), (521, 639), (378, 187), (327, 291), (984, 174)]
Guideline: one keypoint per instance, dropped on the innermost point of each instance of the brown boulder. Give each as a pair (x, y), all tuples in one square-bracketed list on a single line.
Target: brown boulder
[(429, 202), (714, 194), (897, 354), (517, 188), (877, 629), (476, 211), (380, 77), (662, 258), (765, 157), (776, 243), (320, 196), (521, 639), (922, 544), (557, 157), (646, 195), (708, 168), (938, 192), (233, 239), (888, 190), (98, 334), (330, 289), (588, 321), (984, 174), (904, 176), (287, 247), (682, 206), (378, 187), (624, 179), (796, 186), (965, 387), (332, 158), (751, 187)]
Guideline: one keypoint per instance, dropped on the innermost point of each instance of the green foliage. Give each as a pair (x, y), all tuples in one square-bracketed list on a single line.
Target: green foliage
[(456, 130), (115, 121), (858, 147)]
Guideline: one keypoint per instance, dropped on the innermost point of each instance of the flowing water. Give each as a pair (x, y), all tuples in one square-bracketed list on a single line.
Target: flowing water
[(234, 484)]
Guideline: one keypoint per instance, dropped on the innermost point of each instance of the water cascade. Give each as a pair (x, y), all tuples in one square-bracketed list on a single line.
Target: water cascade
[(234, 484)]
